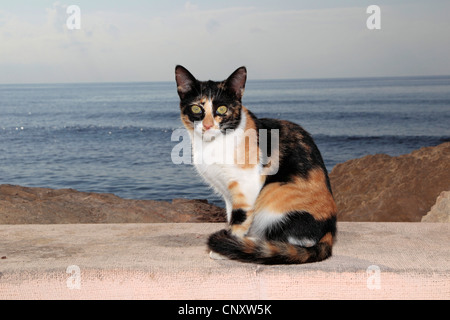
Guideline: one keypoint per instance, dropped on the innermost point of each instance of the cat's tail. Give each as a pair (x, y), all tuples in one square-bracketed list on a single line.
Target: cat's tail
[(268, 252)]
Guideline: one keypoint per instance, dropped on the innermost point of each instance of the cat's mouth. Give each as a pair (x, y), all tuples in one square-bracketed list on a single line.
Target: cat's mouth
[(210, 134)]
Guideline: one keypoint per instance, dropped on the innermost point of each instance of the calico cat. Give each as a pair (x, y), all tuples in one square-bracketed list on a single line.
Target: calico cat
[(283, 216)]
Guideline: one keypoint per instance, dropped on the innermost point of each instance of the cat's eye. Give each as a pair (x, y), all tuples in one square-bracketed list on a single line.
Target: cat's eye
[(222, 110), (196, 109)]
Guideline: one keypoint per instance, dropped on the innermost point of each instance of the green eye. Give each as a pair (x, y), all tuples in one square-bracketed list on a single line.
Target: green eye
[(222, 110), (196, 109)]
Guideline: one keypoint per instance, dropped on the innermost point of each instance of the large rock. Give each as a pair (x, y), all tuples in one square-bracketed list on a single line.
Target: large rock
[(384, 188), (372, 188), (22, 205), (440, 211)]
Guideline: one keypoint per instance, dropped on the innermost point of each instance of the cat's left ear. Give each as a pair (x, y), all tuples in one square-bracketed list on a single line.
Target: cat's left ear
[(236, 82), (185, 80)]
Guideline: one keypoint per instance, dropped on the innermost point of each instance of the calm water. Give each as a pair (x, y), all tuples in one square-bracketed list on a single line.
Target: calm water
[(116, 137)]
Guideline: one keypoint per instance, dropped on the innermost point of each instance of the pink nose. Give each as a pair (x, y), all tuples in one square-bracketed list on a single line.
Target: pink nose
[(207, 126)]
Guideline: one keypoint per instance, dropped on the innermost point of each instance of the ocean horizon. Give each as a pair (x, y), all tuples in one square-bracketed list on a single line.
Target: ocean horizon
[(115, 137)]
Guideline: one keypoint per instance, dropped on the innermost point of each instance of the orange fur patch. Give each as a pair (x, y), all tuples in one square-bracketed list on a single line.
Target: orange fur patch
[(310, 195), (239, 229), (187, 123), (239, 201), (292, 252), (249, 246), (327, 238), (249, 145), (233, 185), (272, 249)]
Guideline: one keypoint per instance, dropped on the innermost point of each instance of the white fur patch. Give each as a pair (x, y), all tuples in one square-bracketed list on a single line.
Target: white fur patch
[(304, 242), (263, 220), (216, 256), (214, 161), (213, 132)]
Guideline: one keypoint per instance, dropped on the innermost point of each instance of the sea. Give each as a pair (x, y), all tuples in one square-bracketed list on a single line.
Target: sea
[(118, 137)]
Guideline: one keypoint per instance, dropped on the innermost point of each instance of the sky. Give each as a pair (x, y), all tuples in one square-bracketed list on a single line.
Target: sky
[(142, 40)]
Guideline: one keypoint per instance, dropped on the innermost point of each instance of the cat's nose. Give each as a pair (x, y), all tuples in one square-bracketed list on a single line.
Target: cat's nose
[(208, 122), (207, 126)]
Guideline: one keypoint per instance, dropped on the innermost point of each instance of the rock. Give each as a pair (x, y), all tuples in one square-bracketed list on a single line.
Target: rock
[(384, 188), (206, 212), (440, 211), (23, 205), (372, 188)]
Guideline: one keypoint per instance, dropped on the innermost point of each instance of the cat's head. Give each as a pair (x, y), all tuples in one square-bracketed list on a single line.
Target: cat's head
[(210, 108)]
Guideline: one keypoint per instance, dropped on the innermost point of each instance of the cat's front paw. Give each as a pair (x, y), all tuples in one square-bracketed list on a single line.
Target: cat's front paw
[(216, 256), (239, 231)]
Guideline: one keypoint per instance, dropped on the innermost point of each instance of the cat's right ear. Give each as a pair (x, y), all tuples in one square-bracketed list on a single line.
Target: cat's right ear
[(237, 80), (185, 81)]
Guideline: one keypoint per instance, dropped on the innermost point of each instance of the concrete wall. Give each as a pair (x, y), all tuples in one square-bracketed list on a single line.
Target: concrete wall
[(170, 261)]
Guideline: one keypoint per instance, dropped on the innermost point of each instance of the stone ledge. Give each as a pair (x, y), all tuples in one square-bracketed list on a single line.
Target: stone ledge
[(169, 261)]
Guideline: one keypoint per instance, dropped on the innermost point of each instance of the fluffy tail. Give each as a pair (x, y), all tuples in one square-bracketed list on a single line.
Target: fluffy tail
[(268, 252)]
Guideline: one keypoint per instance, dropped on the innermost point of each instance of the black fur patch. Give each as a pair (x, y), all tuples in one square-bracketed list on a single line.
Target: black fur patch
[(238, 216), (224, 243), (301, 224), (298, 152)]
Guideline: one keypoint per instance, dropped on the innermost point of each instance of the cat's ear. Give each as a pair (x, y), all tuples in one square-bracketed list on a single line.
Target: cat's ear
[(236, 82), (185, 80)]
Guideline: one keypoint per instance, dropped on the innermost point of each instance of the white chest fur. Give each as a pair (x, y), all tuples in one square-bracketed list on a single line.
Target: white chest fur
[(214, 160)]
